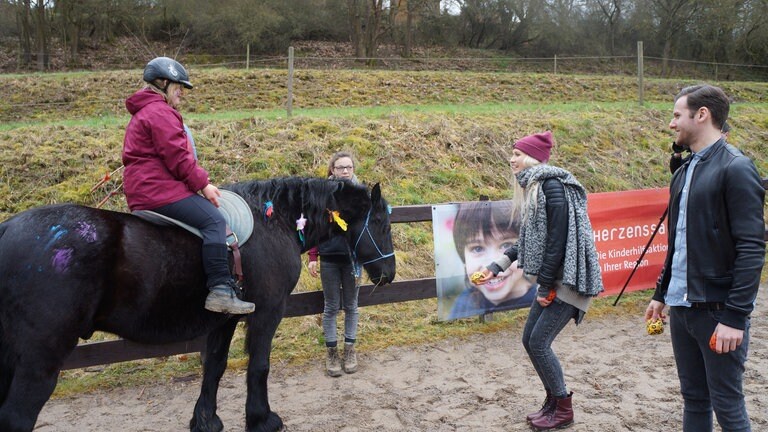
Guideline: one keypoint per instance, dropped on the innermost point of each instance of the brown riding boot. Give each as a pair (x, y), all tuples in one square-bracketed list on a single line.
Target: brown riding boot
[(548, 405), (333, 362), (560, 417)]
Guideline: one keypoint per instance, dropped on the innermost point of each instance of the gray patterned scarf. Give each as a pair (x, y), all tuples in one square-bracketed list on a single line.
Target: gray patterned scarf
[(581, 269)]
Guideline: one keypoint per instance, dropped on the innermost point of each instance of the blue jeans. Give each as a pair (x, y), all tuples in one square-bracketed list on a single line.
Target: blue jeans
[(708, 380), (339, 287), (541, 329)]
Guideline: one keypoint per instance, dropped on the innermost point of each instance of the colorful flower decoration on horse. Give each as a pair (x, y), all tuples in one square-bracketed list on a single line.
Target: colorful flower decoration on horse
[(301, 222)]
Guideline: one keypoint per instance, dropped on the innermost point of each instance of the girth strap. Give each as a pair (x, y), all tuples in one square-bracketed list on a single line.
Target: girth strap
[(237, 268)]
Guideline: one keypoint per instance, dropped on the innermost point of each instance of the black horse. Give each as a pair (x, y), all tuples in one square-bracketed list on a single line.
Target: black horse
[(68, 270)]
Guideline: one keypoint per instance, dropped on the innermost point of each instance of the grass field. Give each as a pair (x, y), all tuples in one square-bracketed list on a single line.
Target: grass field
[(428, 137)]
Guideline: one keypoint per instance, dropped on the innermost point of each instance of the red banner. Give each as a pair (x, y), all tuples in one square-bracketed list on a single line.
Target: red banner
[(623, 223)]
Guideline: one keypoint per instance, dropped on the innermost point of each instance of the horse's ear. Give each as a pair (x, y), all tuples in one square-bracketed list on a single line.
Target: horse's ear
[(376, 193)]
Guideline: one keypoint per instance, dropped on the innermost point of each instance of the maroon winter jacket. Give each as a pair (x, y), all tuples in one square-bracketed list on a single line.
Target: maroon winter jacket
[(160, 167)]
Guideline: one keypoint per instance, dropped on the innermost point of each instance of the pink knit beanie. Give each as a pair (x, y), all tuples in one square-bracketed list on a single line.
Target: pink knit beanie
[(538, 146)]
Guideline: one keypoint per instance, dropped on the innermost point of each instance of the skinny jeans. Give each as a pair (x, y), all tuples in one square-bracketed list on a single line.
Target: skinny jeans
[(541, 329), (708, 381), (339, 290)]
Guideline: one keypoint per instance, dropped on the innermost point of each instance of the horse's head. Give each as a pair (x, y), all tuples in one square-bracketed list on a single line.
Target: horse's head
[(370, 236)]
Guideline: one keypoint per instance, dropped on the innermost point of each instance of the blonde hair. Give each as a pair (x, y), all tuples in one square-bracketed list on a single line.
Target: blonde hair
[(520, 196), (172, 86)]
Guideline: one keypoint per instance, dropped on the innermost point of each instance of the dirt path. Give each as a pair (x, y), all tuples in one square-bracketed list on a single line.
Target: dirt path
[(622, 379)]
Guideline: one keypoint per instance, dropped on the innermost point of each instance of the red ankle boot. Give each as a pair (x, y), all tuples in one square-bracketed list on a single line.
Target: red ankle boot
[(561, 416), (549, 404)]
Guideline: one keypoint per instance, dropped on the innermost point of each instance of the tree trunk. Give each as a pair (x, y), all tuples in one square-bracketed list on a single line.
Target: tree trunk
[(666, 52), (23, 13), (356, 26), (41, 37), (374, 12), (74, 43), (407, 43)]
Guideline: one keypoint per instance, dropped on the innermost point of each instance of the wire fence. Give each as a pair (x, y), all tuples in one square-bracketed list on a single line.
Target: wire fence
[(18, 106), (654, 67), (336, 56)]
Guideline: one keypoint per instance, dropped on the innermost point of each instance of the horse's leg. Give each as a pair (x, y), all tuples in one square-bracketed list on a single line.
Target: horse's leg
[(204, 418), (6, 367), (30, 382), (261, 330)]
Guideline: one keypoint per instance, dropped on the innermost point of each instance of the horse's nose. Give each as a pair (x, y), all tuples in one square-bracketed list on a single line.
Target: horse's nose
[(384, 279)]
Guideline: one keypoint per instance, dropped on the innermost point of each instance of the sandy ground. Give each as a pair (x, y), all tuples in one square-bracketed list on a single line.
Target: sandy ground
[(622, 379)]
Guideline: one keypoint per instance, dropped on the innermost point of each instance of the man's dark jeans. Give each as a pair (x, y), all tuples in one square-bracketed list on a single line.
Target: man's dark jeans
[(708, 380)]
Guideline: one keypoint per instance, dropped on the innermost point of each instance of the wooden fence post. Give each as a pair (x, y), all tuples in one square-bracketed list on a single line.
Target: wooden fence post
[(640, 72), (289, 103), (247, 56)]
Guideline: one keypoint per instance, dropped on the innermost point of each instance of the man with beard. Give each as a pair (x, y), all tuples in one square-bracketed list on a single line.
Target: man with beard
[(712, 270)]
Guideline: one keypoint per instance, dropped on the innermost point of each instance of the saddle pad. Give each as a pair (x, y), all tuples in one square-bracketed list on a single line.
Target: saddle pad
[(237, 213)]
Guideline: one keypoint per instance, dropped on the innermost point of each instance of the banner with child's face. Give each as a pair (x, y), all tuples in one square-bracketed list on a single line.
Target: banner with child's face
[(629, 234), (469, 237)]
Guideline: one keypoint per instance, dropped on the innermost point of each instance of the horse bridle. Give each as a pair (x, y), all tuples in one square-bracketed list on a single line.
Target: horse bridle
[(367, 229)]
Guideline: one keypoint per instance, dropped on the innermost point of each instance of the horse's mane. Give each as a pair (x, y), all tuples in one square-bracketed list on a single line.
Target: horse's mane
[(293, 196)]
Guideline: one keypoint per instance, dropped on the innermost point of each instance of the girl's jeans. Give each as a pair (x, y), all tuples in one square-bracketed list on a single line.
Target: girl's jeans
[(339, 288), (541, 329), (708, 380)]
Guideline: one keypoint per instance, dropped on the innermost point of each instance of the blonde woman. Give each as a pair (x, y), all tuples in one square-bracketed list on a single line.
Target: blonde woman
[(556, 249)]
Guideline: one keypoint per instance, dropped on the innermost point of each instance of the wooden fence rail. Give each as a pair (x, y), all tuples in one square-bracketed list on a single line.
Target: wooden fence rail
[(301, 304)]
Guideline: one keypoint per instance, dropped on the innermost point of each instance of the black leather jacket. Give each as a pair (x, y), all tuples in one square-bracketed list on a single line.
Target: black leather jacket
[(557, 233), (725, 229)]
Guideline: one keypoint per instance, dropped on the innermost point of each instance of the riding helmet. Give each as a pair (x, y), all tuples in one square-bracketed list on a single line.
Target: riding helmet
[(166, 68)]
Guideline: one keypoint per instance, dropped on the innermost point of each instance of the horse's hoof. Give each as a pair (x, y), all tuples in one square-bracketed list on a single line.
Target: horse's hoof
[(273, 423), (214, 425)]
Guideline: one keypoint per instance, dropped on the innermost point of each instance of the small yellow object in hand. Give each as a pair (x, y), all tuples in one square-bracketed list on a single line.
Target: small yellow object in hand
[(476, 277), (655, 327)]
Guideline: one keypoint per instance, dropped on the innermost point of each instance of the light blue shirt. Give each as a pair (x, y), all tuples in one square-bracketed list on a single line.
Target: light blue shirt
[(677, 292)]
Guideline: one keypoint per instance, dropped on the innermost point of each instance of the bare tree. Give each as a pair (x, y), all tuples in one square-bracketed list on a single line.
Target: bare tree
[(42, 33), (24, 24), (752, 37), (520, 22), (673, 17), (72, 15), (366, 21), (611, 10), (478, 19), (405, 16)]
